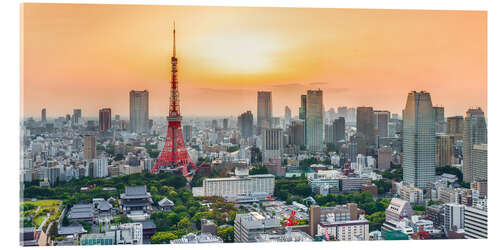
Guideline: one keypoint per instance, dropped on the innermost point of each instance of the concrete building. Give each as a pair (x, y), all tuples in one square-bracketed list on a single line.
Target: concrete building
[(397, 210), (248, 226), (100, 169), (382, 118), (476, 223), (444, 150), (439, 120), (481, 187), (455, 125), (77, 116), (139, 111), (245, 124), (314, 120), (44, 115), (264, 110), (272, 144), (344, 230), (235, 186), (419, 140), (435, 213), (296, 133), (339, 213), (365, 130), (200, 238), (384, 158), (475, 132), (479, 157), (104, 120), (453, 216), (412, 194), (288, 115), (89, 147)]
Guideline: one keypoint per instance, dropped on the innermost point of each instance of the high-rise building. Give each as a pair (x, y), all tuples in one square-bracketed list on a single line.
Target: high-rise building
[(288, 115), (245, 124), (272, 144), (104, 120), (479, 156), (475, 132), (264, 110), (303, 105), (44, 115), (419, 140), (384, 158), (296, 133), (453, 216), (455, 125), (225, 123), (100, 168), (439, 119), (89, 147), (314, 120), (382, 118), (444, 150), (77, 116), (187, 132), (475, 223), (339, 125), (365, 130), (139, 111)]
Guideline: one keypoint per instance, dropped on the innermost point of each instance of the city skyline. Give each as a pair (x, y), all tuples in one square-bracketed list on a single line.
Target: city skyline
[(88, 70)]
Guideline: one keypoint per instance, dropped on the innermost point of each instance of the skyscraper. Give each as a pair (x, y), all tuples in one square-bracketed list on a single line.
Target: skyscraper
[(44, 115), (302, 109), (314, 120), (225, 123), (272, 144), (264, 110), (382, 118), (479, 155), (475, 132), (339, 124), (89, 147), (77, 116), (419, 140), (439, 119), (296, 132), (455, 125), (444, 150), (104, 120), (288, 115), (139, 111), (365, 130), (245, 124)]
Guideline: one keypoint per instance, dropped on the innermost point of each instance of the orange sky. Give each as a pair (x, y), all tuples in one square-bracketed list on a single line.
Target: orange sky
[(91, 56)]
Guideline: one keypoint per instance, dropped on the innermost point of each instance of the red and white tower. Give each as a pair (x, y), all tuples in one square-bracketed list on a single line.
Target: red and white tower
[(174, 154)]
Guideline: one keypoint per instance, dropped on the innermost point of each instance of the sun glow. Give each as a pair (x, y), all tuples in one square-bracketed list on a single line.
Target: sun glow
[(242, 53)]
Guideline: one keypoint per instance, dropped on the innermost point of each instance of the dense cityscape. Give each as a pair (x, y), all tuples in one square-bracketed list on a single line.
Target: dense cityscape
[(317, 174)]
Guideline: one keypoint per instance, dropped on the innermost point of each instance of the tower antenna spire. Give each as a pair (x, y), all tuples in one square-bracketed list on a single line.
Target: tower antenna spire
[(174, 38)]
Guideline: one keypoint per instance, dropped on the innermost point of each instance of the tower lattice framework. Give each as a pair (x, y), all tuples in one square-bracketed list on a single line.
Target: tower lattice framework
[(174, 154)]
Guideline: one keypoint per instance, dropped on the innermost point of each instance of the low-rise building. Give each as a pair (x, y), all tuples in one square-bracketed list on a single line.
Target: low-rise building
[(248, 226), (197, 239), (136, 203)]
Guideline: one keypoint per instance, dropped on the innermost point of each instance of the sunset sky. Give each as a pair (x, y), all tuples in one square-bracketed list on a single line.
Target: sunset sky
[(91, 56)]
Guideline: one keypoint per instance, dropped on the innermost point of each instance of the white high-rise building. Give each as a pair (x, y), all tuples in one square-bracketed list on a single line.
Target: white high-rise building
[(139, 111), (314, 120), (453, 216), (100, 168), (419, 140), (235, 186)]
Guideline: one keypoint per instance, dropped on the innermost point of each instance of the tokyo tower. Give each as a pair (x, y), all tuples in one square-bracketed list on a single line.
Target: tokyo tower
[(174, 154)]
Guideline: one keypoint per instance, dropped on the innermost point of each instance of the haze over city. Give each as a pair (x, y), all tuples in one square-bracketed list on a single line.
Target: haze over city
[(91, 56)]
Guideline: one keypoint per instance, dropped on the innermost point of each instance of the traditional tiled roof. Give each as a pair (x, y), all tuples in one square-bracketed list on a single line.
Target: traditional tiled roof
[(165, 202), (70, 230)]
